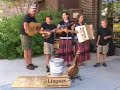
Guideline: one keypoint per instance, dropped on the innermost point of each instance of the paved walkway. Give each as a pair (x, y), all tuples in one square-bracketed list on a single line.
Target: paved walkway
[(100, 78)]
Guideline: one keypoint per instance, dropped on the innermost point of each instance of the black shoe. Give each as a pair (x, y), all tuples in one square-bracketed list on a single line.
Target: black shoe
[(97, 65), (48, 69), (104, 64), (35, 66), (30, 67)]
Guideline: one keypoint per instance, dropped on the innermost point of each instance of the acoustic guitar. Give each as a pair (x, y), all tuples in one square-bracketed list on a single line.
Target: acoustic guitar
[(74, 69), (33, 28), (66, 25)]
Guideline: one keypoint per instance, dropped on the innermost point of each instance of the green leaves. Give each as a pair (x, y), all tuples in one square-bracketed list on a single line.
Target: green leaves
[(56, 16), (9, 29), (10, 44)]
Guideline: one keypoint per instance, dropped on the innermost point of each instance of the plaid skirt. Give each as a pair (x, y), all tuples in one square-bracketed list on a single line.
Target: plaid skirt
[(84, 49), (66, 50)]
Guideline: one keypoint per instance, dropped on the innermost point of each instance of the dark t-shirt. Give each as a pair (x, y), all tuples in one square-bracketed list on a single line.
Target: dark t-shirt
[(62, 24), (102, 32), (49, 27), (27, 19)]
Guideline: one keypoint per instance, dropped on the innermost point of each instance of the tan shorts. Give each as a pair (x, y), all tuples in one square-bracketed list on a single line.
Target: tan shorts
[(103, 49), (48, 48), (26, 42)]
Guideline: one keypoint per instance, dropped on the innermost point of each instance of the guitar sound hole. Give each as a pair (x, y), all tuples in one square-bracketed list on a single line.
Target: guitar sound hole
[(37, 27)]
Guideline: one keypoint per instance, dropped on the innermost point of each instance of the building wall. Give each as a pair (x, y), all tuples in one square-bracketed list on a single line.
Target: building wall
[(90, 10), (67, 4), (41, 5), (53, 4), (89, 7), (58, 4), (95, 13)]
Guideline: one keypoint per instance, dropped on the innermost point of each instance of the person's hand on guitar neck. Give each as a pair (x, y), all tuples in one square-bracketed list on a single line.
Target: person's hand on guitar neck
[(65, 30), (41, 31), (71, 31)]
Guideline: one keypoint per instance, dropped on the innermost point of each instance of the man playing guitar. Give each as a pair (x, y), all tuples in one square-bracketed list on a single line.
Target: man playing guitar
[(26, 40)]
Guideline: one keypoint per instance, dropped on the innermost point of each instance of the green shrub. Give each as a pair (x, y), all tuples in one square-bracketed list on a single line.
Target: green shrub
[(56, 16), (10, 44)]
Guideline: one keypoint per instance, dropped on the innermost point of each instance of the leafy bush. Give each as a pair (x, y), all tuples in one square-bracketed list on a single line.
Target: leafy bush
[(10, 44)]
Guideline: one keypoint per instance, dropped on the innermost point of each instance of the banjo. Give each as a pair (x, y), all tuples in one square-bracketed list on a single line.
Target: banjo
[(74, 69), (46, 36)]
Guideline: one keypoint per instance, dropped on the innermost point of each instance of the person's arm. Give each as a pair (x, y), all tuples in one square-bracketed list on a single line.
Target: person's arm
[(109, 36), (54, 29), (42, 31), (26, 27), (59, 30), (98, 39), (73, 29)]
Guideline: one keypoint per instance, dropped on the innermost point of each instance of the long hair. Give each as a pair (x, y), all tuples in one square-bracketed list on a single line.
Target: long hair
[(77, 19), (66, 14)]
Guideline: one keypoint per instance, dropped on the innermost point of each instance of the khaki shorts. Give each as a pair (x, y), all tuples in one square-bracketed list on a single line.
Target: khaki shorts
[(103, 49), (26, 42), (48, 48)]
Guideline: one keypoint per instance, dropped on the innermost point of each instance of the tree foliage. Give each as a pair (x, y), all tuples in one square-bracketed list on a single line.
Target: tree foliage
[(10, 44), (20, 6)]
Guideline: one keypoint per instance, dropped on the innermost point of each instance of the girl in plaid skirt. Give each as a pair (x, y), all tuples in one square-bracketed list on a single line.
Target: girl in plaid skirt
[(83, 47), (65, 47)]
